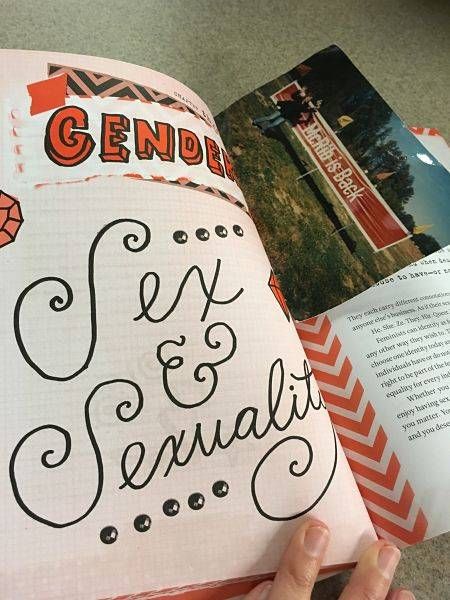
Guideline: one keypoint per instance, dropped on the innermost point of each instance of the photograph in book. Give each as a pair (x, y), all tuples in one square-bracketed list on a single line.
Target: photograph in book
[(341, 191), (382, 363), (154, 393)]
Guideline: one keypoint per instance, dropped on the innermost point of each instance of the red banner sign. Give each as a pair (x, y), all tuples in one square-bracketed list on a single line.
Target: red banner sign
[(379, 224)]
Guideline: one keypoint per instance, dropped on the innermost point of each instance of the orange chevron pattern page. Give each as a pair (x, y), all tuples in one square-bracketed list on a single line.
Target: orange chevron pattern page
[(382, 363), (388, 495)]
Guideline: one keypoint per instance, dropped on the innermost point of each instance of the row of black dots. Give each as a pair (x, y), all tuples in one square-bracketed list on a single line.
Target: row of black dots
[(196, 501), (181, 237), (171, 508)]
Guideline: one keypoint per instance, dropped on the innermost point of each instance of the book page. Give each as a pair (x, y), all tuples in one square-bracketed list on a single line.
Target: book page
[(389, 353), (162, 430), (342, 192)]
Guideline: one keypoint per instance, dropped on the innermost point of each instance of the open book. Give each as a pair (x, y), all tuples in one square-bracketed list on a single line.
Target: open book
[(173, 399)]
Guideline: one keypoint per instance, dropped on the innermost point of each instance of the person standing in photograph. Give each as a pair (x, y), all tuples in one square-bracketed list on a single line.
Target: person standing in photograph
[(298, 109)]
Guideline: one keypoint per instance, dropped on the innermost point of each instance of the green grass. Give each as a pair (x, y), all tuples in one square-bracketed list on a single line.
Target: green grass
[(315, 267)]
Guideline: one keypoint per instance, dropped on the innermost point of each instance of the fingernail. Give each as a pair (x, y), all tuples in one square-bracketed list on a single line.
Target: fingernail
[(388, 558), (265, 591), (316, 539), (405, 595)]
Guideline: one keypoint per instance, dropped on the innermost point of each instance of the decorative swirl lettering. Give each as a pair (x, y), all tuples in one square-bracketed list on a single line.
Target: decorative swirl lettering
[(178, 449), (285, 408), (296, 471), (58, 303), (208, 293), (202, 370), (122, 409)]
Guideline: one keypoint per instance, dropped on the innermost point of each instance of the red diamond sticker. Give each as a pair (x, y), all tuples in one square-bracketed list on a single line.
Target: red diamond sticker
[(275, 287), (10, 218)]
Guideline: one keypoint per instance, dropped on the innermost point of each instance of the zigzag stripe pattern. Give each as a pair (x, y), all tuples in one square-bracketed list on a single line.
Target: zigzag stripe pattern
[(187, 183), (387, 494), (86, 84), (181, 182)]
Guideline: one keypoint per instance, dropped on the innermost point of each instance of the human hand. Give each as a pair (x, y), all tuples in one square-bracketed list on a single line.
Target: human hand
[(300, 565)]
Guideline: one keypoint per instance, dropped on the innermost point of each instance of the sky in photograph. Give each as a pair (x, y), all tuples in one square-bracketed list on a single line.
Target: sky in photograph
[(431, 201)]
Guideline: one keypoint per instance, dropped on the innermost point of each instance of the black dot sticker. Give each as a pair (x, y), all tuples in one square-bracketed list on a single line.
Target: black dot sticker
[(180, 237), (142, 523), (109, 534), (238, 230), (171, 507), (220, 489), (196, 501), (202, 234), (221, 231)]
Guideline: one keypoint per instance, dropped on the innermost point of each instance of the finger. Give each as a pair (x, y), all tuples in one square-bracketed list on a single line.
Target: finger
[(401, 594), (301, 562), (373, 574)]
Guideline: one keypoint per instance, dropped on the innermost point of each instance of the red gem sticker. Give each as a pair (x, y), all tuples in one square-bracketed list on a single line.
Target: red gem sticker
[(275, 287), (10, 218)]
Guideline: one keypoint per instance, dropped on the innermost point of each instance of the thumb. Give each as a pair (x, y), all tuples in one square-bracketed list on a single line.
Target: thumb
[(373, 573)]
